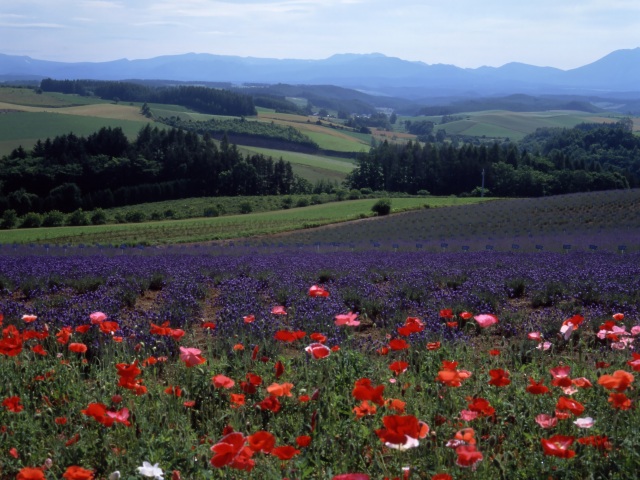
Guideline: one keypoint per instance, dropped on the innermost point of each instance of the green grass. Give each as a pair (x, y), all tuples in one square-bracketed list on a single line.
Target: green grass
[(218, 228), (25, 128)]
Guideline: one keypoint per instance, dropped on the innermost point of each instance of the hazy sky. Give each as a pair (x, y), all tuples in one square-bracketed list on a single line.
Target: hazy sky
[(467, 33)]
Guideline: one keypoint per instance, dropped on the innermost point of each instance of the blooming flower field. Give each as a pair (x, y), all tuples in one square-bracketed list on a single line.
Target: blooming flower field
[(345, 365)]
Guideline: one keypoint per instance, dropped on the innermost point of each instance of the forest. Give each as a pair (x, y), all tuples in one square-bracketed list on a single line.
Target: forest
[(588, 157), (213, 101), (106, 170)]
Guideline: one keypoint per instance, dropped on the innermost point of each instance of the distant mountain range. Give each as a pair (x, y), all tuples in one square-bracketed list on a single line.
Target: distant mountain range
[(615, 75)]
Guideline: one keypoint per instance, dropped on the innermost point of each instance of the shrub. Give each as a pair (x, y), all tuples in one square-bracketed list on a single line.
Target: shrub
[(211, 212), (246, 207), (423, 193), (382, 207), (287, 202), (77, 218), (54, 218), (31, 220), (9, 219), (98, 217), (302, 202), (354, 194), (135, 216)]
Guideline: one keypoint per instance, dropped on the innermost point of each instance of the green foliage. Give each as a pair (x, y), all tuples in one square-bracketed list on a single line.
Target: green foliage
[(31, 220), (98, 217), (246, 207), (135, 216), (382, 207), (77, 218), (54, 218), (9, 219)]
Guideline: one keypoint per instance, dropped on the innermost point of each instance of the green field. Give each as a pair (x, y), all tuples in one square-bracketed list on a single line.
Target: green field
[(25, 128), (308, 166), (218, 228), (514, 125)]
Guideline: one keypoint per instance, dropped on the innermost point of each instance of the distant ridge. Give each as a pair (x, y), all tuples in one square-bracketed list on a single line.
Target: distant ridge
[(618, 72)]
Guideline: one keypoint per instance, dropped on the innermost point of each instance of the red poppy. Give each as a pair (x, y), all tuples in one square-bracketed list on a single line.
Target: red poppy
[(109, 327), (568, 404), (441, 476), (558, 446), (254, 352), (402, 431), (481, 406), (411, 325), (619, 381), (561, 376), (261, 441), (446, 313), (288, 336), (280, 389), (83, 328), (619, 401), (77, 473), (363, 390), (270, 403), (208, 325), (601, 442), (231, 451), (398, 367), (173, 390), (279, 368), (536, 388), (98, 412), (64, 335), (398, 344), (222, 381), (285, 452), (237, 399), (316, 291), (318, 337), (11, 342), (468, 456), (618, 317), (29, 473), (303, 441), (78, 347), (318, 350), (38, 349), (499, 377), (465, 315), (60, 420), (364, 409), (396, 405), (433, 345), (249, 318), (13, 404), (162, 330), (176, 333), (581, 382), (238, 346), (494, 352), (450, 376)]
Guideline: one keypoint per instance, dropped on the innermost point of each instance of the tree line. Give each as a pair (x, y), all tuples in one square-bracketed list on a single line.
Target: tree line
[(107, 170), (585, 158), (213, 101)]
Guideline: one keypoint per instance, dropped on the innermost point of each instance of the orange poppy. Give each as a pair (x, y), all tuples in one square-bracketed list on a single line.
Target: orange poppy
[(619, 381), (77, 473)]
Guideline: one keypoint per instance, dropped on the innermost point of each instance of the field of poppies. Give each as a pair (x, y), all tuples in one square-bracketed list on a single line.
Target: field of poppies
[(305, 364)]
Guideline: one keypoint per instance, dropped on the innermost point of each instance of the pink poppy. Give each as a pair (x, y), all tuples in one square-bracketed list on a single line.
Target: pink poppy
[(29, 318), (348, 319), (546, 421), (278, 310), (97, 317), (486, 320), (586, 422), (191, 356)]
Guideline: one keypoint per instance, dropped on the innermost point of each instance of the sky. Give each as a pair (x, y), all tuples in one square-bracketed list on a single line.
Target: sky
[(467, 33)]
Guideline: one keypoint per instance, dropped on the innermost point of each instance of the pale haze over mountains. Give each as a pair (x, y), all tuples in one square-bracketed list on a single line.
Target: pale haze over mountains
[(616, 74)]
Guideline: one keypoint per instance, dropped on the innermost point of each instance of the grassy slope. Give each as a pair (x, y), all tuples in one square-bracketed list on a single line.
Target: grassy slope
[(515, 125), (206, 229)]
